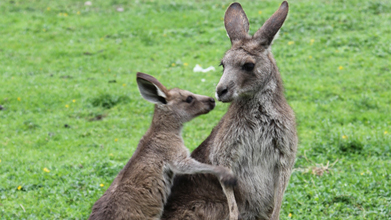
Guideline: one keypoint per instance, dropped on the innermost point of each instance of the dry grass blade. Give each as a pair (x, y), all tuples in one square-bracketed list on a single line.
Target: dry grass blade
[(24, 210), (317, 169)]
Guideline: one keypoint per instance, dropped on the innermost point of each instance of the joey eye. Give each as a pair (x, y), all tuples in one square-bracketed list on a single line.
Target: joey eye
[(248, 66), (189, 99)]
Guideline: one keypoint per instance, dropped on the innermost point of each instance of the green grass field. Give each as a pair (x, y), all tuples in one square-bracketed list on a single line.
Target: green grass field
[(72, 115)]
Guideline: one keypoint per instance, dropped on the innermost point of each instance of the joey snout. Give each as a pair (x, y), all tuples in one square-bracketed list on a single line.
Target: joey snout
[(211, 104)]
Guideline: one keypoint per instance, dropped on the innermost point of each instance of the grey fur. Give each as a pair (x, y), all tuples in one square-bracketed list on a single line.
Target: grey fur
[(141, 189), (256, 138)]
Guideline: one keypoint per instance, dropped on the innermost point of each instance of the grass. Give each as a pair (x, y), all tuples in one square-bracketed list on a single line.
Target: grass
[(72, 115)]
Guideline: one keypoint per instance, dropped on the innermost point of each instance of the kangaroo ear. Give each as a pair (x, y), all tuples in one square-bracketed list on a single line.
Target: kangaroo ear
[(151, 89), (270, 28), (236, 22)]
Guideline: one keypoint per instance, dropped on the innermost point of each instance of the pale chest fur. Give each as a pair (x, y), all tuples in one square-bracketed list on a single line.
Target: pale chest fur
[(249, 140), (252, 145)]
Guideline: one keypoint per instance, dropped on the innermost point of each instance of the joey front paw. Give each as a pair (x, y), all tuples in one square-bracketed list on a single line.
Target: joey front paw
[(229, 180)]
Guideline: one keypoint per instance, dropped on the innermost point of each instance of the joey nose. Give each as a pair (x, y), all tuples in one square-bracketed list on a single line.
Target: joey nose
[(212, 103), (222, 91)]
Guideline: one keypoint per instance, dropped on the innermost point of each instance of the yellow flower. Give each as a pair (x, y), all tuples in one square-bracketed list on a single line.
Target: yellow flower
[(164, 35), (116, 139), (0, 160), (124, 85), (78, 12), (109, 70), (340, 67), (173, 64), (291, 42), (102, 185), (362, 173), (19, 99), (312, 41), (290, 215), (310, 57), (74, 100), (46, 170), (19, 187), (259, 12), (44, 30), (385, 132), (111, 155), (67, 106), (344, 137), (101, 39), (48, 9), (185, 64), (65, 14)]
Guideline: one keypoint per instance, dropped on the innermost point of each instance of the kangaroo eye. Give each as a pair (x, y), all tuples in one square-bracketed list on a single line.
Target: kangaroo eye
[(248, 66), (189, 99)]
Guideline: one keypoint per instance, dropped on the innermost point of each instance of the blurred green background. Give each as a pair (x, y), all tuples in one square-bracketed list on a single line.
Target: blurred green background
[(71, 115)]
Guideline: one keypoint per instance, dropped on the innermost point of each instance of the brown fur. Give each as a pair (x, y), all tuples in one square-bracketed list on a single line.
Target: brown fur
[(141, 188), (256, 138)]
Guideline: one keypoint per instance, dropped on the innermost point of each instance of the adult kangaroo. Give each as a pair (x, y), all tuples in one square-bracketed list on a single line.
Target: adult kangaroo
[(256, 138)]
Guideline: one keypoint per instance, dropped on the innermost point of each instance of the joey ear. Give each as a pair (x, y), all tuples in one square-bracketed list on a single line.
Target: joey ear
[(236, 22), (151, 89), (270, 28)]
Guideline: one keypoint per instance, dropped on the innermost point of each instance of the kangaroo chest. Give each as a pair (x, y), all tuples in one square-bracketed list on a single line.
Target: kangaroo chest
[(249, 149)]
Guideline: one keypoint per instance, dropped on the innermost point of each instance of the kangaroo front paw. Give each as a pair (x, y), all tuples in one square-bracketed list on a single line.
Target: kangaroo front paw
[(233, 217), (229, 179), (234, 213)]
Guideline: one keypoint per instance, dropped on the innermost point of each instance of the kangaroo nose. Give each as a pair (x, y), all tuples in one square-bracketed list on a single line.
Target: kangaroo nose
[(211, 100), (222, 91)]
